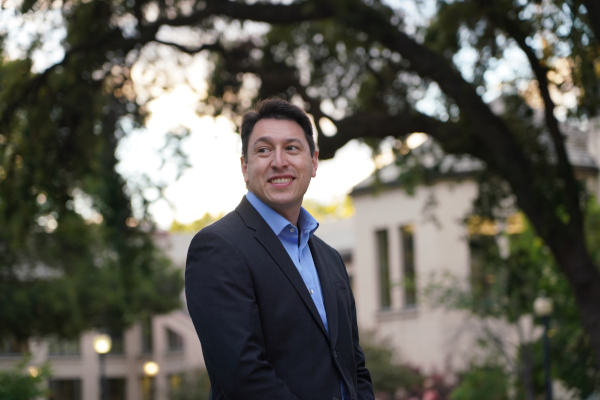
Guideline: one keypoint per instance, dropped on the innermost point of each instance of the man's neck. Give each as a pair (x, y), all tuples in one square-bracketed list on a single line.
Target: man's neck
[(291, 215)]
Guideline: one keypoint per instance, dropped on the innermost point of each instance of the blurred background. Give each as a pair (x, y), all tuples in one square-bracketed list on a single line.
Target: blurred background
[(459, 149)]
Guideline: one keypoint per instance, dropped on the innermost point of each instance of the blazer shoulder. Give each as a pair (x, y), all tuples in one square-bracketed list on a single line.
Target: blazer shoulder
[(228, 227)]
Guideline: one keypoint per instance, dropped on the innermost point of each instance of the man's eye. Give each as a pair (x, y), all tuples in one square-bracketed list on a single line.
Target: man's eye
[(262, 150), (292, 147)]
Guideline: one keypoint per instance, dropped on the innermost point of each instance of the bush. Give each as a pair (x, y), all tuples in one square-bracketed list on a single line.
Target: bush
[(388, 375), (21, 383), (190, 385), (482, 382)]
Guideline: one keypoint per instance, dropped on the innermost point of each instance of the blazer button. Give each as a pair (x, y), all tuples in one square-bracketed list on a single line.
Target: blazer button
[(335, 398), (335, 354)]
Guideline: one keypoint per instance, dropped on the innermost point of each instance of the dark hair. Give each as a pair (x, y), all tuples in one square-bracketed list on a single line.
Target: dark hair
[(275, 108)]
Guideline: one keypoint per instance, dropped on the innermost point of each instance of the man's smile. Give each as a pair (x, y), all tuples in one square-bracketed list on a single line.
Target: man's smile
[(281, 180)]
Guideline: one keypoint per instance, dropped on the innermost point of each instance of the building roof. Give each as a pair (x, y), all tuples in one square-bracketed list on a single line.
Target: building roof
[(456, 167)]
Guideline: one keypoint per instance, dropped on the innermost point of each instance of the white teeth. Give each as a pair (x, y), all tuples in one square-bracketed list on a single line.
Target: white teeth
[(281, 180)]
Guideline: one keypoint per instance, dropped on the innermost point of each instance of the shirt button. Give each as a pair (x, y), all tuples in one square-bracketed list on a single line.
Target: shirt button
[(291, 229), (310, 291)]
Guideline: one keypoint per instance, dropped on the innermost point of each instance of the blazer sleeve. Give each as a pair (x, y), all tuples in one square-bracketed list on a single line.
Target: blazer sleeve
[(364, 387), (222, 303)]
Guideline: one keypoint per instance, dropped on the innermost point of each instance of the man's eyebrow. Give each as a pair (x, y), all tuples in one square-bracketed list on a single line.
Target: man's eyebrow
[(268, 139)]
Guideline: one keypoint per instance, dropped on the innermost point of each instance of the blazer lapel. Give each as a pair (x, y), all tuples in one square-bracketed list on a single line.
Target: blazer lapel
[(328, 289), (267, 238)]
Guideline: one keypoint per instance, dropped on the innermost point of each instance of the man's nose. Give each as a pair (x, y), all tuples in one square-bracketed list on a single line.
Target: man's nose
[(279, 160)]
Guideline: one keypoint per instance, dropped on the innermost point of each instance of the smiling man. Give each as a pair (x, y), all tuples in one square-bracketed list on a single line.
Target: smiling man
[(271, 302)]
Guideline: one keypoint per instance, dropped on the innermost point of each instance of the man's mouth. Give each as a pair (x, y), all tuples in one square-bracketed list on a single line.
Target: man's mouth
[(281, 180)]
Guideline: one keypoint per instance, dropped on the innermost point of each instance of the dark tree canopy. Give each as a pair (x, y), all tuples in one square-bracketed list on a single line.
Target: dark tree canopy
[(368, 61), (72, 256)]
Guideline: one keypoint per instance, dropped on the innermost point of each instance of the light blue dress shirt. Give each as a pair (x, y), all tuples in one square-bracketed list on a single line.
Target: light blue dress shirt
[(298, 251)]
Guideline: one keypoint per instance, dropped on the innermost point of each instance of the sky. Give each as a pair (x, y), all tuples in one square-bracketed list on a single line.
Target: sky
[(214, 182)]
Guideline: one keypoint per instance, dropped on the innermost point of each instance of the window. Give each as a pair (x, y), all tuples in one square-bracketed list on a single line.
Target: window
[(65, 389), (484, 254), (409, 282), (148, 388), (174, 382), (383, 260), (13, 347), (147, 336), (63, 347), (174, 341), (116, 389)]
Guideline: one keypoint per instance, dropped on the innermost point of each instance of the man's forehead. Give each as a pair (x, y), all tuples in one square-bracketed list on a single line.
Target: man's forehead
[(277, 130)]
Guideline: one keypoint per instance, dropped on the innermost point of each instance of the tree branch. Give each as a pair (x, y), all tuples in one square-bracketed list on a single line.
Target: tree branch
[(380, 125), (565, 168), (260, 12), (593, 11), (192, 51)]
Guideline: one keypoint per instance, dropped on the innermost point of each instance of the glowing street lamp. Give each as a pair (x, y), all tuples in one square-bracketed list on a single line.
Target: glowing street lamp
[(102, 345), (151, 368), (542, 306)]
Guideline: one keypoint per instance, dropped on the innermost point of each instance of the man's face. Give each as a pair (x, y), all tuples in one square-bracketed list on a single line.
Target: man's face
[(279, 165)]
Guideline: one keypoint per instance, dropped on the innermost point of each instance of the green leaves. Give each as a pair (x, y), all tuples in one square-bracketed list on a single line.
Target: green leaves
[(69, 259), (387, 375), (21, 382), (482, 382)]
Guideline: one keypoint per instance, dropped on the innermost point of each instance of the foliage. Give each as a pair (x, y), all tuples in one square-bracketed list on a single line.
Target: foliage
[(196, 225), (22, 383), (330, 212), (191, 385), (72, 255), (387, 374), (482, 382)]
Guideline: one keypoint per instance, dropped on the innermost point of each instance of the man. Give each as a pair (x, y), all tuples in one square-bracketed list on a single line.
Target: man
[(270, 301)]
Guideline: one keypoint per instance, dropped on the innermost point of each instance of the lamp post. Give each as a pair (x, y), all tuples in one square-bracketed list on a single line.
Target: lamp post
[(102, 345), (151, 368), (542, 306)]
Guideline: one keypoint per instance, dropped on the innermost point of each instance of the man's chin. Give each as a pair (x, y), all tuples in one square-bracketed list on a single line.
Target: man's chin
[(283, 202)]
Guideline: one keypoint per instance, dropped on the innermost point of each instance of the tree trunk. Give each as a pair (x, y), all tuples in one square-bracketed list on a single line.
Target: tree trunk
[(584, 278)]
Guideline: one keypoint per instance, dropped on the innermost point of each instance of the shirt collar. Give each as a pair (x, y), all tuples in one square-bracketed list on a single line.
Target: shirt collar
[(306, 221)]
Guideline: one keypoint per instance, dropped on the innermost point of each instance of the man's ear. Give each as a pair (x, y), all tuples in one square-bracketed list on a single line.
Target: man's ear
[(315, 163), (244, 169)]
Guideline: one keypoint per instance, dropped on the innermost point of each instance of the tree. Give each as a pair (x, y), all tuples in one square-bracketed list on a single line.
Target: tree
[(72, 255), (373, 66)]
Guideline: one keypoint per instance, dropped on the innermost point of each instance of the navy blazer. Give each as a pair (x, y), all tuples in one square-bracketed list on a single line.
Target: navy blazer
[(261, 334)]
